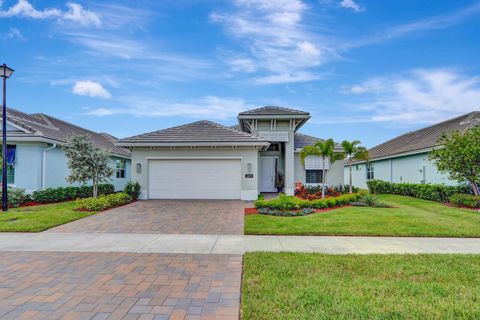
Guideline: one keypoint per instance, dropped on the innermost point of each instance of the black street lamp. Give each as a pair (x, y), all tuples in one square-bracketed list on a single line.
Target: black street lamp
[(5, 73)]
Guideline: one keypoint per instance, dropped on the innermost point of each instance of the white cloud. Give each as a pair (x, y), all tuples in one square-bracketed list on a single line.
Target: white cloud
[(419, 96), (209, 107), (90, 89), (350, 4), (13, 33), (276, 40), (76, 13)]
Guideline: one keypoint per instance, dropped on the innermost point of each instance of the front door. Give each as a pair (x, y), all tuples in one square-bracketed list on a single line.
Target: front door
[(267, 174)]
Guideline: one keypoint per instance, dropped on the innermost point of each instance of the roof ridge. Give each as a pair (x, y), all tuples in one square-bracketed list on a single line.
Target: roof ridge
[(72, 124), (424, 128), (44, 117), (164, 129)]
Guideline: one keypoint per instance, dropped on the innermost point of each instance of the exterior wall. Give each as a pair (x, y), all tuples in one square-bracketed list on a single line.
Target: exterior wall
[(413, 168), (29, 168), (248, 155), (334, 175)]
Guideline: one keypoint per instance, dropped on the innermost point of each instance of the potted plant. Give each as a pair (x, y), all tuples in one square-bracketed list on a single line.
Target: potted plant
[(280, 181)]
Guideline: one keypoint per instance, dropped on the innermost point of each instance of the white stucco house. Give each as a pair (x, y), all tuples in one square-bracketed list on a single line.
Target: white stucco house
[(405, 158), (206, 160), (36, 160)]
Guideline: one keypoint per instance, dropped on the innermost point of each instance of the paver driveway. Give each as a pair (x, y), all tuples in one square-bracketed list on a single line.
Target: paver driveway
[(61, 285), (166, 216)]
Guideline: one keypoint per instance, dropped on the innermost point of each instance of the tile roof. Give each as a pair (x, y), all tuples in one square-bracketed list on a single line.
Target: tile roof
[(48, 127), (424, 138), (303, 140), (196, 132), (272, 110)]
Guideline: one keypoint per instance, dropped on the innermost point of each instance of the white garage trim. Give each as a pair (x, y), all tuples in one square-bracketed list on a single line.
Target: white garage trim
[(194, 177)]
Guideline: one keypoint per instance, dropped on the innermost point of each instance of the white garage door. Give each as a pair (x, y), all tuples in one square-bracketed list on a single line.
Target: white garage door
[(194, 179)]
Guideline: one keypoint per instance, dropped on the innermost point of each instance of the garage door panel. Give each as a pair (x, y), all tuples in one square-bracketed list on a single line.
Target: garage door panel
[(194, 179)]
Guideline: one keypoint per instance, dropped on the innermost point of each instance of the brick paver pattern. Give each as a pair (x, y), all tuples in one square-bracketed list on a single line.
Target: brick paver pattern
[(166, 216), (56, 285)]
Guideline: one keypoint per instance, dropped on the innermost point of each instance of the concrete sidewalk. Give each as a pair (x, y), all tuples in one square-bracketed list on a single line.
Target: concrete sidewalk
[(229, 244)]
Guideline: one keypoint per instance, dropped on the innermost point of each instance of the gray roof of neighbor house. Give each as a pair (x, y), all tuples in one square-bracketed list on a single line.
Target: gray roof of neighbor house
[(39, 125), (303, 140), (193, 133), (424, 138), (272, 110)]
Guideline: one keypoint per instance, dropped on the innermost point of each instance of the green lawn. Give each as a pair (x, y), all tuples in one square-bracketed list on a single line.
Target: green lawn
[(316, 286), (413, 217), (39, 218)]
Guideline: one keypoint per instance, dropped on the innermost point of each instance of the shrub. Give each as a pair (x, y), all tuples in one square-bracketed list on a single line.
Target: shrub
[(286, 203), (288, 213), (344, 189), (17, 197), (69, 193), (465, 200), (368, 200), (434, 192), (132, 189), (104, 202)]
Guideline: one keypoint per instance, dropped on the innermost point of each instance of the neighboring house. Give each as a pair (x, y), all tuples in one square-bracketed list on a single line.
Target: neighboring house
[(205, 160), (405, 158), (36, 160)]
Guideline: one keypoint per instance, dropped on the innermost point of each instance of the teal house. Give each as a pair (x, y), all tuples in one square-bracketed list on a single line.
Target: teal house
[(405, 158), (35, 158)]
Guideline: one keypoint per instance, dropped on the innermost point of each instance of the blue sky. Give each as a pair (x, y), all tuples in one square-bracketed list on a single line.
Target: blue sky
[(366, 70)]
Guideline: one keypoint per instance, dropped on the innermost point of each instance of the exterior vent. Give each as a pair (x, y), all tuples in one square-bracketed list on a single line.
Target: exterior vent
[(280, 136), (316, 163)]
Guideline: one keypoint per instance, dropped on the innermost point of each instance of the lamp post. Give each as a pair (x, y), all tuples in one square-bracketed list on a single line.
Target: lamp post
[(5, 73)]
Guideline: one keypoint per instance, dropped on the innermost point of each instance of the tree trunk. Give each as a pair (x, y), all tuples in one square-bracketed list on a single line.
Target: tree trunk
[(350, 186), (475, 188), (95, 192)]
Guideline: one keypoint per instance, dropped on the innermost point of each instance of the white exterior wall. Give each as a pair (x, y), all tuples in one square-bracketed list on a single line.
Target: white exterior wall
[(249, 187), (397, 170), (334, 175)]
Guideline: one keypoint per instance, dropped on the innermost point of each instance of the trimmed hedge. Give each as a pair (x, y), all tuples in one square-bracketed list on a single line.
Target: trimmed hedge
[(434, 192), (70, 193), (285, 203), (132, 189), (17, 197), (465, 200), (104, 202)]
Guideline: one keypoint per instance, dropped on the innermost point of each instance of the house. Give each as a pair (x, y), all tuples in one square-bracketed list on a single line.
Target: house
[(405, 158), (206, 160), (36, 160)]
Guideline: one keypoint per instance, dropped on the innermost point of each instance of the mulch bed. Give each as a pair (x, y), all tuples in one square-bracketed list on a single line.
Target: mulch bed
[(251, 211)]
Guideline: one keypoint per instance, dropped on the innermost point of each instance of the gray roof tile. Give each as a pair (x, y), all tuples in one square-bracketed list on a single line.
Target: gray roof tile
[(42, 125), (200, 131), (272, 110), (424, 138), (303, 140)]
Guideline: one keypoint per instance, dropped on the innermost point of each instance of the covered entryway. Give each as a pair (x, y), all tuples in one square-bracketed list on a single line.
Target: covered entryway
[(199, 178)]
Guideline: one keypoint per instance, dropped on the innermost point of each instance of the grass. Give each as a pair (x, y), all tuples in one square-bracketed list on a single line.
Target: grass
[(413, 217), (316, 286), (39, 218)]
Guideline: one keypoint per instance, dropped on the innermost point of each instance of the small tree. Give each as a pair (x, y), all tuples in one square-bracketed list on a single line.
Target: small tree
[(87, 162), (324, 149), (353, 150), (459, 156)]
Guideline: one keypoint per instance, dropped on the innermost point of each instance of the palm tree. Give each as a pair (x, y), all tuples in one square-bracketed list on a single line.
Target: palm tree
[(324, 149), (353, 150)]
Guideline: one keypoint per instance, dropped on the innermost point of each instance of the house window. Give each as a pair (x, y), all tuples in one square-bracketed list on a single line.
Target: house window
[(314, 176), (11, 152), (120, 169), (369, 171)]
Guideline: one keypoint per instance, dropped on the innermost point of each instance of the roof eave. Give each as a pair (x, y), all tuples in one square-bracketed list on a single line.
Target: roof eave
[(190, 144), (398, 155)]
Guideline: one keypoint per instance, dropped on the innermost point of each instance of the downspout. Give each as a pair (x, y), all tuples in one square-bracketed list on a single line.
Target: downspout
[(44, 163)]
